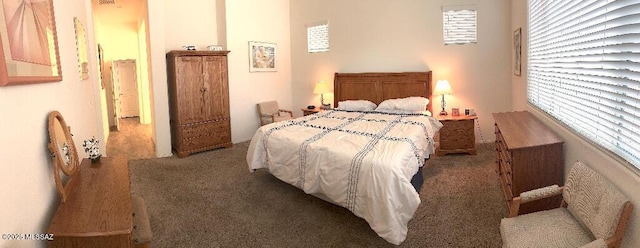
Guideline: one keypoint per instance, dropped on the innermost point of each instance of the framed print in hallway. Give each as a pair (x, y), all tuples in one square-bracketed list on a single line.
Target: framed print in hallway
[(29, 43), (517, 41), (262, 56), (81, 45)]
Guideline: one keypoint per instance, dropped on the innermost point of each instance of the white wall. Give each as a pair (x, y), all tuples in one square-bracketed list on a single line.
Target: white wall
[(104, 104), (159, 94), (190, 24), (519, 83), (143, 74), (256, 20), (28, 190), (575, 148), (406, 35)]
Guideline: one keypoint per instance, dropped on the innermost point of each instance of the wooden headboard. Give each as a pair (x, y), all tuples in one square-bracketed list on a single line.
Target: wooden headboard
[(377, 87)]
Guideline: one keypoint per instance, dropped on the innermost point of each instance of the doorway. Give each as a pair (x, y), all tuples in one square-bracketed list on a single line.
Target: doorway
[(121, 32), (125, 88)]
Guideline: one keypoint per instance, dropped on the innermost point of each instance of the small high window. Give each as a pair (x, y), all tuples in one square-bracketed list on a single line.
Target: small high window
[(318, 37), (459, 24)]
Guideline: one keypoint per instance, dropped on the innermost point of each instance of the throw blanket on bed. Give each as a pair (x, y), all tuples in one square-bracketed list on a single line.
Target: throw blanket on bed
[(363, 161)]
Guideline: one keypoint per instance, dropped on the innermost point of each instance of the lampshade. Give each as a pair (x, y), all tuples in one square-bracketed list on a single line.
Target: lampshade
[(443, 88), (321, 88)]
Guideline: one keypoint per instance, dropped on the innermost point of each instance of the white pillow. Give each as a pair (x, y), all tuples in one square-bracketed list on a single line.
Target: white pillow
[(411, 104), (356, 105), (395, 111)]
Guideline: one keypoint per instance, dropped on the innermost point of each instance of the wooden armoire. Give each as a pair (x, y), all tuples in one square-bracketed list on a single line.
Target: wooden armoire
[(198, 100)]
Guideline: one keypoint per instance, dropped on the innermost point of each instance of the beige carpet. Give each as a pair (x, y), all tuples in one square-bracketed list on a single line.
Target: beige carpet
[(211, 199)]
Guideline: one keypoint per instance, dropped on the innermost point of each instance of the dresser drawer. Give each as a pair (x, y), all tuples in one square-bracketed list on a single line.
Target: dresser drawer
[(205, 129), (202, 136), (210, 141)]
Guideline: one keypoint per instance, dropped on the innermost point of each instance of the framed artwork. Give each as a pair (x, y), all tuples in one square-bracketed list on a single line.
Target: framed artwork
[(29, 43), (81, 44), (517, 40), (100, 64), (262, 56), (455, 112)]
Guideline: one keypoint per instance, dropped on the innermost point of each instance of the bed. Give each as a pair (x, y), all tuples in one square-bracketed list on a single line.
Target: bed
[(366, 161)]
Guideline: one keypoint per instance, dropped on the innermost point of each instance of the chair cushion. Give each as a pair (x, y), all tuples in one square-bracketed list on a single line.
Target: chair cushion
[(594, 201), (266, 120), (141, 226), (269, 108), (550, 228)]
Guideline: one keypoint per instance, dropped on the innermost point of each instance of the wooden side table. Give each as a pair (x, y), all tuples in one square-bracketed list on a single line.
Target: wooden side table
[(457, 135), (306, 111)]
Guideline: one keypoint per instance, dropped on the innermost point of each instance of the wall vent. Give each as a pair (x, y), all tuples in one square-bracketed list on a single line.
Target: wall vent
[(103, 2)]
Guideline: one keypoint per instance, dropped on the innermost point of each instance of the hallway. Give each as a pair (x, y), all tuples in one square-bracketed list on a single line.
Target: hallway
[(133, 140)]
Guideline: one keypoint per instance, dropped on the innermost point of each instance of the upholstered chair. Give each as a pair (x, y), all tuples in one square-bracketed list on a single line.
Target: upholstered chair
[(269, 112), (593, 213)]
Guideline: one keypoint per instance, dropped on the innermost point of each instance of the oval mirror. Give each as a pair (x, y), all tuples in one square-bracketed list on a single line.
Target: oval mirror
[(63, 150)]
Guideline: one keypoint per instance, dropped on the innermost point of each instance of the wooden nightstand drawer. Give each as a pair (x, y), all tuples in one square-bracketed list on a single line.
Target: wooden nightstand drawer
[(457, 135)]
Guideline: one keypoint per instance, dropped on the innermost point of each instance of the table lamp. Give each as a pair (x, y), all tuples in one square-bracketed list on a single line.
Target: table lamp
[(443, 88), (321, 88)]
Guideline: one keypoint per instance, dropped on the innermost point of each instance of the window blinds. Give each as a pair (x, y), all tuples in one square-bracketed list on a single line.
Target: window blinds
[(584, 69), (459, 25), (318, 37)]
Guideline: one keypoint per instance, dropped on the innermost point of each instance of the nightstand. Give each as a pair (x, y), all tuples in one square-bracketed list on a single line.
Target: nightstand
[(306, 111), (457, 135)]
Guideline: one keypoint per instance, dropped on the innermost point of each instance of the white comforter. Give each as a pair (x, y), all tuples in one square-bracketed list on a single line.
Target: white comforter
[(363, 161)]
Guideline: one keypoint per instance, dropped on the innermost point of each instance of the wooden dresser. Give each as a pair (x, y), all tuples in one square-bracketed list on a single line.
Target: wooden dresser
[(199, 101), (98, 210), (528, 156)]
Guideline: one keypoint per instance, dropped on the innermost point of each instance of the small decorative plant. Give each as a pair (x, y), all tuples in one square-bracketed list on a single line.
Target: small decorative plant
[(91, 147)]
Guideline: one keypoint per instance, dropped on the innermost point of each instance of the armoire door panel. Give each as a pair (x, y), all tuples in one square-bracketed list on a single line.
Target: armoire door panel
[(217, 99), (190, 96)]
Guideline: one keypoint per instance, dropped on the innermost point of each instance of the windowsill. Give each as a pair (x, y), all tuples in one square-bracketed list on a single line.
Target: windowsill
[(555, 124)]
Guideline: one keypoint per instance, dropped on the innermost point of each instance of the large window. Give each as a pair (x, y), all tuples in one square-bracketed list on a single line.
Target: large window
[(584, 69)]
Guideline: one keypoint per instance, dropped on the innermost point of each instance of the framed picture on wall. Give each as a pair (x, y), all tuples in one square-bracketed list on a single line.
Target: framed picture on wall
[(262, 56), (100, 64), (29, 49), (81, 45), (517, 41)]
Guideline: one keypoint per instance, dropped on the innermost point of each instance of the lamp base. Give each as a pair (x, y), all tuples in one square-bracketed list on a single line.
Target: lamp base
[(443, 112)]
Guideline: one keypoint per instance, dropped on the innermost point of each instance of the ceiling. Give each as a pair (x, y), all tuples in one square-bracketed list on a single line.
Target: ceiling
[(122, 11)]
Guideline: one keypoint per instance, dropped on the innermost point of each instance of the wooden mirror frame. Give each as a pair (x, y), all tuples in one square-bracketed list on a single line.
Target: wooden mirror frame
[(70, 167)]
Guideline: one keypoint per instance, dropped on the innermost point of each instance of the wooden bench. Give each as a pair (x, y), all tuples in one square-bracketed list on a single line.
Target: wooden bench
[(141, 227)]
